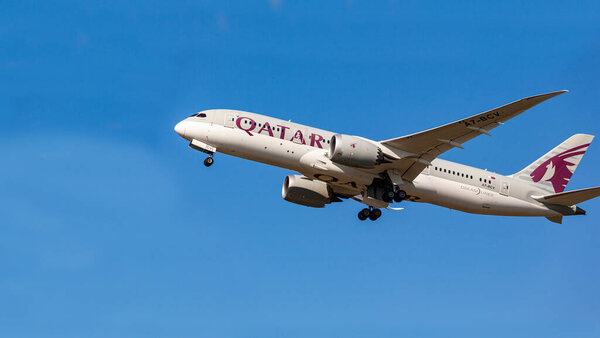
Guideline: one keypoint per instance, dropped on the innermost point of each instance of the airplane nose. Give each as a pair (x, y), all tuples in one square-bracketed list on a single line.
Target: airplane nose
[(180, 129)]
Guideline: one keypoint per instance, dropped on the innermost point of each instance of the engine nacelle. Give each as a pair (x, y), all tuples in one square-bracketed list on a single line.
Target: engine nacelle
[(304, 191), (354, 151)]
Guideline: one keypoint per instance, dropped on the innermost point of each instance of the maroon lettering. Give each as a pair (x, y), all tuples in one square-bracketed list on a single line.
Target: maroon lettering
[(298, 135), (250, 128), (316, 139), (282, 135), (266, 127)]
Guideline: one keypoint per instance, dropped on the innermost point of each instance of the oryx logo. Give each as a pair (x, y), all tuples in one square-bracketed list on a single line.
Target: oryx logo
[(556, 169)]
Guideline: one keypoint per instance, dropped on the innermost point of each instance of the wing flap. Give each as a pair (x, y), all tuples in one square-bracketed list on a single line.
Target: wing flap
[(555, 219), (569, 198)]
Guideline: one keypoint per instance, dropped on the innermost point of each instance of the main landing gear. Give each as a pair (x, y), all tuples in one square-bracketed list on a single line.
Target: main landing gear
[(397, 196), (388, 196), (370, 213), (209, 161)]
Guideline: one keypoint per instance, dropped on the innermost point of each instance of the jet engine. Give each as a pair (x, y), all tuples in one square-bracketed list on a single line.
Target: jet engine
[(354, 151), (304, 191)]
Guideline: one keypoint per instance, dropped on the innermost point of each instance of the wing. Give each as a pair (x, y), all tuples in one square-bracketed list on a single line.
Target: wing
[(418, 150), (570, 198)]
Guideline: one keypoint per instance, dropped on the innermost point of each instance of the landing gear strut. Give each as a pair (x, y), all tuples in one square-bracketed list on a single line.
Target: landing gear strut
[(370, 213), (209, 161)]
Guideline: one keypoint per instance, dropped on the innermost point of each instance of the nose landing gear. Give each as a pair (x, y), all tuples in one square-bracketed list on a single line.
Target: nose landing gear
[(205, 148), (370, 213)]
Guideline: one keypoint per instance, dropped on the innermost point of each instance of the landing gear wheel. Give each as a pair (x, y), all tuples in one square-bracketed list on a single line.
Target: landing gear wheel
[(209, 161), (375, 214), (399, 196), (364, 214), (388, 196)]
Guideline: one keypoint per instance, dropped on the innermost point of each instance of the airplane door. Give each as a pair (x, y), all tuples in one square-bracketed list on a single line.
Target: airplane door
[(504, 188), (229, 120)]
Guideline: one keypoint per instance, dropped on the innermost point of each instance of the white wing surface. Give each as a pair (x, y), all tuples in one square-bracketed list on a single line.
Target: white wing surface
[(421, 148)]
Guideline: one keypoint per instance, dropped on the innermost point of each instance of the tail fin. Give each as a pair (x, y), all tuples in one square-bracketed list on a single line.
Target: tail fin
[(553, 171)]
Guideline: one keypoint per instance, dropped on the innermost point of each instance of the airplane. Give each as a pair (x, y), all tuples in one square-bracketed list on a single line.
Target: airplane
[(335, 167)]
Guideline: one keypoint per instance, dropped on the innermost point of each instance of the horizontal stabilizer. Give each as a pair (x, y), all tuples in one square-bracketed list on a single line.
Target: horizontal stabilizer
[(569, 198)]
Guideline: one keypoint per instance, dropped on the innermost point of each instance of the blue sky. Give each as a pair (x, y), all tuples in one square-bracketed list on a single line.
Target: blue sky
[(111, 226)]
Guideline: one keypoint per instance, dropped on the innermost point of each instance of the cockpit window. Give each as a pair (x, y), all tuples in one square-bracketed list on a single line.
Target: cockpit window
[(198, 115)]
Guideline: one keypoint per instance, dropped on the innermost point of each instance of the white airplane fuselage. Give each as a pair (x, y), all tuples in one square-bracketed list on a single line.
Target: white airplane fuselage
[(304, 149)]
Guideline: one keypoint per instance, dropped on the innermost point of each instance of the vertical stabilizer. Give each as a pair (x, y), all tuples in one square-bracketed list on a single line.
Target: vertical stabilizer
[(553, 171)]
